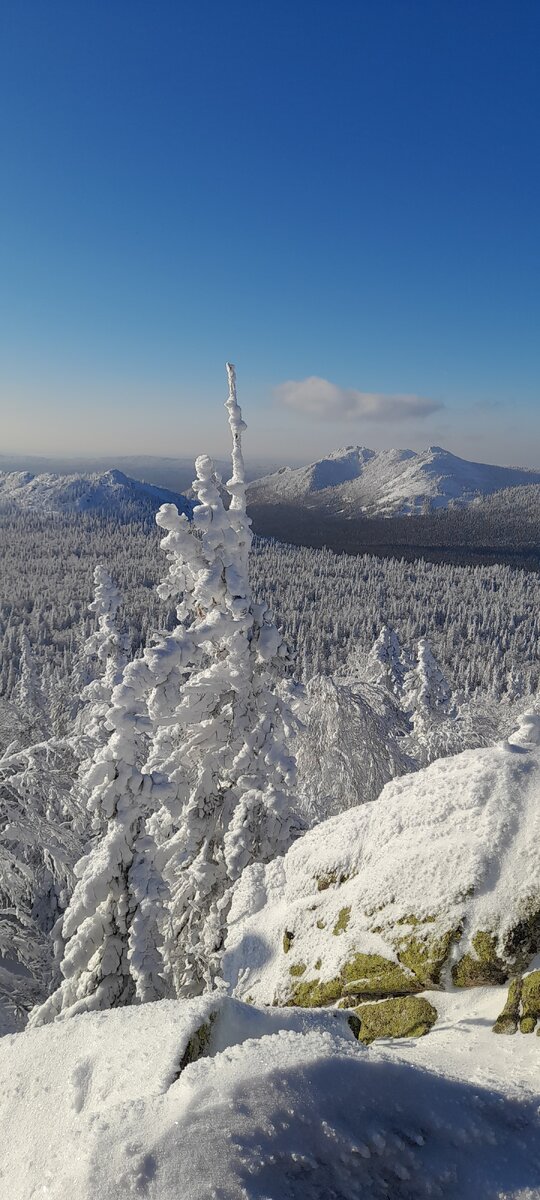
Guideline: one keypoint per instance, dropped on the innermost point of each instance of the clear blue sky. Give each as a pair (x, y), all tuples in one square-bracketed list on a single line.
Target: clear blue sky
[(342, 190)]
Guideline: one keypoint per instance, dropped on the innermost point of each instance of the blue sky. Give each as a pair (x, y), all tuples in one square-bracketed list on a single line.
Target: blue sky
[(342, 197)]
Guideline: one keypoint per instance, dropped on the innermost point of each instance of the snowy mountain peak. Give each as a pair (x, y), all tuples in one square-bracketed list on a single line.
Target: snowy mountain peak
[(112, 492), (355, 481)]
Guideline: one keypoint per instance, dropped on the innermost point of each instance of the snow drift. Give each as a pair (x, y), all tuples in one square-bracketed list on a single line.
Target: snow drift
[(214, 1100)]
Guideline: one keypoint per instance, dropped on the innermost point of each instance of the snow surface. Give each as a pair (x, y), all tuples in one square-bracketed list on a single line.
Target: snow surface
[(356, 481), (111, 491), (284, 1105), (455, 844)]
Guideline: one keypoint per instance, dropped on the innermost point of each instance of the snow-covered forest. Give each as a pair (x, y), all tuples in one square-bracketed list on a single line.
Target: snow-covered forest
[(483, 622), (217, 751)]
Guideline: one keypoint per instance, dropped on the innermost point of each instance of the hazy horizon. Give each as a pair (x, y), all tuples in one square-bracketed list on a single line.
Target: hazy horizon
[(112, 457)]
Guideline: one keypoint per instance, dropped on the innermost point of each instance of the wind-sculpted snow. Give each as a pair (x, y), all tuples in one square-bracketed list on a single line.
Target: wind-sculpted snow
[(355, 481), (215, 1100), (438, 879)]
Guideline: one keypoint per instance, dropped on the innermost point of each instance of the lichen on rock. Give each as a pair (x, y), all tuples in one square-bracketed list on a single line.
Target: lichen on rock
[(330, 879), (197, 1044), (396, 1017), (288, 939), (508, 1019), (522, 1008), (530, 1002), (425, 954), (342, 921), (484, 967), (364, 975)]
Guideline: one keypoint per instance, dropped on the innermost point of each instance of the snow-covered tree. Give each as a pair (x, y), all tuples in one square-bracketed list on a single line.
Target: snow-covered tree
[(427, 692), (435, 732), (42, 831), (386, 664), (28, 695), (102, 659), (223, 740), (109, 935), (350, 744), (218, 764)]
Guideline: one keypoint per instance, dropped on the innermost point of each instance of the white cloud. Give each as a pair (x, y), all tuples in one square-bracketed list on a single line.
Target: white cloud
[(319, 398)]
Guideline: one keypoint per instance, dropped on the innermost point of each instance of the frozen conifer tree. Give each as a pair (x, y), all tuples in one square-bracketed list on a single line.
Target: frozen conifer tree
[(386, 665), (40, 840), (222, 740), (106, 647), (28, 695), (435, 732), (110, 937), (428, 693), (105, 655)]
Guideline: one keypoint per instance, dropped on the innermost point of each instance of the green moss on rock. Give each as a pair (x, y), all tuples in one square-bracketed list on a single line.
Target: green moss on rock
[(410, 919), (314, 994), (530, 1002), (523, 941), (522, 1008), (197, 1045), (297, 969), (425, 955), (482, 968), (371, 974), (507, 1021), (342, 921), (329, 880), (288, 939), (317, 965), (397, 1017), (321, 924), (364, 976)]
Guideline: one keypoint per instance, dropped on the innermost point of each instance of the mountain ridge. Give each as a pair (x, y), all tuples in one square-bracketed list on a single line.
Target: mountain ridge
[(111, 491), (356, 481)]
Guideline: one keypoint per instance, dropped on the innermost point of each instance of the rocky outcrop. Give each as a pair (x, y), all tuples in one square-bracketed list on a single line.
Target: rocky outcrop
[(435, 884)]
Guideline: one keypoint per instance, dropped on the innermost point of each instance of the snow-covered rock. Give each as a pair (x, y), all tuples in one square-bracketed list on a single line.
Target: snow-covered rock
[(355, 481), (112, 492), (437, 881), (215, 1100)]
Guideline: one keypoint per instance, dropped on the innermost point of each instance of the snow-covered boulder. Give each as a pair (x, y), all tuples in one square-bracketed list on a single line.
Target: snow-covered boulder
[(436, 882), (212, 1099)]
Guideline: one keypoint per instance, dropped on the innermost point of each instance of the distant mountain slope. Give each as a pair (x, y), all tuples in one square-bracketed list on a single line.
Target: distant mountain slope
[(111, 492), (355, 482), (175, 474)]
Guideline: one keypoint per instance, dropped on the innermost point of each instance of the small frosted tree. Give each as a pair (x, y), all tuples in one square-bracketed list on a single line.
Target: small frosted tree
[(385, 666), (28, 695), (109, 937), (427, 691), (433, 714), (105, 652), (102, 660), (222, 741), (41, 834)]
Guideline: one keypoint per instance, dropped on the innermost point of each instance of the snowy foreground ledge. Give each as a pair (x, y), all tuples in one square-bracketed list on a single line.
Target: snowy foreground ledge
[(281, 1104)]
